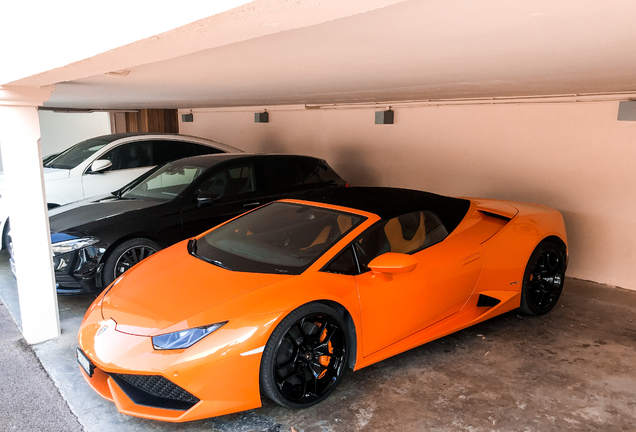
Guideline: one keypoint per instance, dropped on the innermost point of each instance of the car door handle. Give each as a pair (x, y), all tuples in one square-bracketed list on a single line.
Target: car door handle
[(251, 204), (471, 258)]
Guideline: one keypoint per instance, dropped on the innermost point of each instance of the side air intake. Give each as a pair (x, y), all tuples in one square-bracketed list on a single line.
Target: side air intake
[(487, 301), (496, 215)]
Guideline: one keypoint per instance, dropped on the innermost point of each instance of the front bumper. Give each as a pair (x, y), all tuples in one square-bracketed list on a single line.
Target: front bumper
[(216, 376), (79, 271)]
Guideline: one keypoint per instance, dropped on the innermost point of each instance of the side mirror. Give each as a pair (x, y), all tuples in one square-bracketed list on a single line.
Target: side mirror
[(391, 263), (206, 197), (100, 165)]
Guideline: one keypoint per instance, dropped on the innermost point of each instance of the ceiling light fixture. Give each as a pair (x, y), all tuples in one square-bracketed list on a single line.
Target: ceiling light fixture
[(261, 117), (627, 110), (384, 117)]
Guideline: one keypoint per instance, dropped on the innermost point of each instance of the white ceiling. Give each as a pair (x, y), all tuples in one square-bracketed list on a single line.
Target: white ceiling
[(294, 52)]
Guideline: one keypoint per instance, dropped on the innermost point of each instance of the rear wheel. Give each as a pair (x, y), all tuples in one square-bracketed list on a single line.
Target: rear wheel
[(126, 255), (543, 279), (305, 357)]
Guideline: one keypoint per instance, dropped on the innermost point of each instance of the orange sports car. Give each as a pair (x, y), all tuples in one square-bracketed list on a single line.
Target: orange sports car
[(280, 300)]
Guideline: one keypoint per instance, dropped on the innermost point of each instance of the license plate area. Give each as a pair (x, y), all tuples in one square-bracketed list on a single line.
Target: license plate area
[(84, 362)]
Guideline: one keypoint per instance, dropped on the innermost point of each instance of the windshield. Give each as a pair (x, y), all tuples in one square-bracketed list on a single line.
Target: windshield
[(166, 183), (72, 157), (278, 238)]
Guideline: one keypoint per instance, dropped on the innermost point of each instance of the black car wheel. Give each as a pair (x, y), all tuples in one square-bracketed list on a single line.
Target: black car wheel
[(305, 357), (126, 255), (543, 279)]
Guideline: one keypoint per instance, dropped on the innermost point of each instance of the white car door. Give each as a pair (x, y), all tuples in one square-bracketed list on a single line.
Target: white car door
[(63, 191)]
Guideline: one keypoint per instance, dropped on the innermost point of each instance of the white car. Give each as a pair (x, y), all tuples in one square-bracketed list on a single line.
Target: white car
[(103, 164)]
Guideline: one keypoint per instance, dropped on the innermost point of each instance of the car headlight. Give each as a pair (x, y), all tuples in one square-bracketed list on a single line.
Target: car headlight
[(184, 338), (72, 245)]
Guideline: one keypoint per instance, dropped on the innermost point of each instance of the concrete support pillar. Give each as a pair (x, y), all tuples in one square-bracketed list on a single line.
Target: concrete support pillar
[(25, 196)]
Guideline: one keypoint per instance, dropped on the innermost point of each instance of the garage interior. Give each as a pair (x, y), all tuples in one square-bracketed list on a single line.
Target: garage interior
[(526, 101)]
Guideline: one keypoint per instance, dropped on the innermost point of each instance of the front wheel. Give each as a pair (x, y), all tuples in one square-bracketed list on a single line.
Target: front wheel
[(126, 255), (305, 357), (543, 279)]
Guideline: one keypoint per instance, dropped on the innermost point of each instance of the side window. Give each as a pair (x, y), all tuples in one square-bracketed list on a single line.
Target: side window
[(168, 179), (328, 175), (204, 150), (168, 151), (231, 182), (406, 233), (309, 171), (131, 155), (344, 263), (282, 174)]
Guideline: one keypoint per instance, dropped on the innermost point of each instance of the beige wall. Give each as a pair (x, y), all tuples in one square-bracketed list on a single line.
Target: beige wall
[(575, 157)]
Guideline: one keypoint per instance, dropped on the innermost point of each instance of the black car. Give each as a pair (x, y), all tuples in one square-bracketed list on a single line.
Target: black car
[(96, 240)]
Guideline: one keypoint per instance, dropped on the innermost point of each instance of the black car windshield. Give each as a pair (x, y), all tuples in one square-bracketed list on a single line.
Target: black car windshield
[(77, 154), (278, 238), (166, 182)]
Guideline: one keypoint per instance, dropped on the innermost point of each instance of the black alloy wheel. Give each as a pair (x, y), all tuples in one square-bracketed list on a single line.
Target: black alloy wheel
[(305, 357), (126, 255), (543, 279)]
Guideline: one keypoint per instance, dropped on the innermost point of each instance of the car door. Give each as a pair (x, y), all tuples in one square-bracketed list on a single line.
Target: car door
[(61, 191), (237, 190), (446, 273), (130, 160)]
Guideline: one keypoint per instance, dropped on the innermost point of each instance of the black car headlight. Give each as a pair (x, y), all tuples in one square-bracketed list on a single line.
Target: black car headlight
[(67, 246), (184, 338)]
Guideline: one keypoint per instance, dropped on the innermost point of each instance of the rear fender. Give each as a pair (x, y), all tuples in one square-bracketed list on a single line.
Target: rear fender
[(507, 252)]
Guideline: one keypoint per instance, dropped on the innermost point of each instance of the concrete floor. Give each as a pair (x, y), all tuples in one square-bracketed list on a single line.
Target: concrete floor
[(573, 369), (29, 400)]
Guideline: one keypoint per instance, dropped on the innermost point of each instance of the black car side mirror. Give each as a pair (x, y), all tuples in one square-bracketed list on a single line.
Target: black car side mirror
[(206, 197)]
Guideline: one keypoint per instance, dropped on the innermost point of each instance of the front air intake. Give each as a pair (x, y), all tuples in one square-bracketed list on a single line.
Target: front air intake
[(155, 391)]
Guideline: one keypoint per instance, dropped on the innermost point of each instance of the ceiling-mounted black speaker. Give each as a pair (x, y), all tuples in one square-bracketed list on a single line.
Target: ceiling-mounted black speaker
[(627, 110), (384, 117), (187, 118), (261, 117)]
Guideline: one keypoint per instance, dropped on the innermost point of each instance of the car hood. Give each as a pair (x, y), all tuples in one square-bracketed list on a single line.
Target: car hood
[(78, 216), (170, 289), (55, 173)]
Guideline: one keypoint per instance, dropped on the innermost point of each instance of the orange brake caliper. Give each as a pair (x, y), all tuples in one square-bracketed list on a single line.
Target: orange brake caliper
[(324, 360)]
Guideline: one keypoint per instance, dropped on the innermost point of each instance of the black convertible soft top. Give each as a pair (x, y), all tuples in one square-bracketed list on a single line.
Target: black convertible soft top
[(392, 202)]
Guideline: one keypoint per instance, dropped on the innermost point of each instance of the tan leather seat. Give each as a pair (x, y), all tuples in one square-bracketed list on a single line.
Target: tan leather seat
[(344, 223), (395, 234)]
